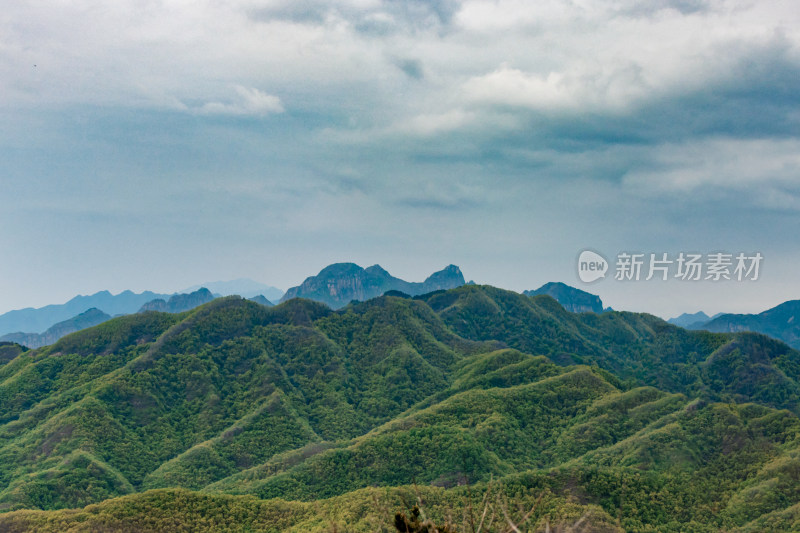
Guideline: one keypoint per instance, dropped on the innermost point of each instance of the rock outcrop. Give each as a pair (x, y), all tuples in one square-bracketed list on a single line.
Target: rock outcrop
[(572, 299), (338, 284)]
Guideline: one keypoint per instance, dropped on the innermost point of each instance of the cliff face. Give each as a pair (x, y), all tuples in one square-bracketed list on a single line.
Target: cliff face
[(572, 299), (447, 278), (87, 319), (179, 302), (339, 284)]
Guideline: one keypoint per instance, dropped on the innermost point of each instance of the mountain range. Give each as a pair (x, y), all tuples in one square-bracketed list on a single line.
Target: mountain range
[(91, 317), (39, 320), (338, 284), (22, 326), (335, 285), (781, 322), (297, 417)]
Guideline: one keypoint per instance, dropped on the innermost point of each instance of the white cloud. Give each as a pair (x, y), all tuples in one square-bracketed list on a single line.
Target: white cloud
[(433, 124), (556, 54), (607, 57), (249, 101), (582, 90), (766, 172)]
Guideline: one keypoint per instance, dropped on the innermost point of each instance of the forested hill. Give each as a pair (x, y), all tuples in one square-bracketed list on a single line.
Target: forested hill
[(619, 418)]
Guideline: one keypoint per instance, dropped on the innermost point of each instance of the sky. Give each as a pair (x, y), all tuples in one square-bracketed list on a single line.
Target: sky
[(158, 144)]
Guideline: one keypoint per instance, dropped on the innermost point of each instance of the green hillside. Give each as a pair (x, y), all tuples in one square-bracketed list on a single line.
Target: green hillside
[(634, 346), (235, 416)]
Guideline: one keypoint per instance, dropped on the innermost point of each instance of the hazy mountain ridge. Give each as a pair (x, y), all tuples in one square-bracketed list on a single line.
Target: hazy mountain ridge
[(178, 303), (338, 284), (689, 320), (573, 300), (175, 304), (301, 402), (781, 322), (89, 318), (244, 287), (40, 319)]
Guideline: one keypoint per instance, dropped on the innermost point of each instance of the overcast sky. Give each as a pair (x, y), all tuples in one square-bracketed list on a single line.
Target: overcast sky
[(156, 144)]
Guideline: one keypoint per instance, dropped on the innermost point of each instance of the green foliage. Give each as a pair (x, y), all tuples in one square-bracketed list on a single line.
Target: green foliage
[(8, 351), (78, 480), (271, 428)]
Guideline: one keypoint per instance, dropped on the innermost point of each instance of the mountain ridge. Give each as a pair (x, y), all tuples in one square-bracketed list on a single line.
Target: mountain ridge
[(244, 287), (177, 303)]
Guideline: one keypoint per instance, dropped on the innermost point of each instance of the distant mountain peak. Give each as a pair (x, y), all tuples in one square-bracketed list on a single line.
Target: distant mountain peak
[(377, 270), (261, 299), (447, 278), (341, 283), (244, 287), (341, 268), (572, 299), (690, 320), (179, 302)]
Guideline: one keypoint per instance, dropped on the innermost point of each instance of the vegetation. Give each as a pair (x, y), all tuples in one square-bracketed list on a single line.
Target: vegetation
[(9, 350), (236, 416)]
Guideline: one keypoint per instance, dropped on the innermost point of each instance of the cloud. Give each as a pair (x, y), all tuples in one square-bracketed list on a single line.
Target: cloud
[(612, 90), (373, 18), (432, 124), (411, 67), (249, 102), (447, 194), (764, 172), (565, 114), (684, 7)]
